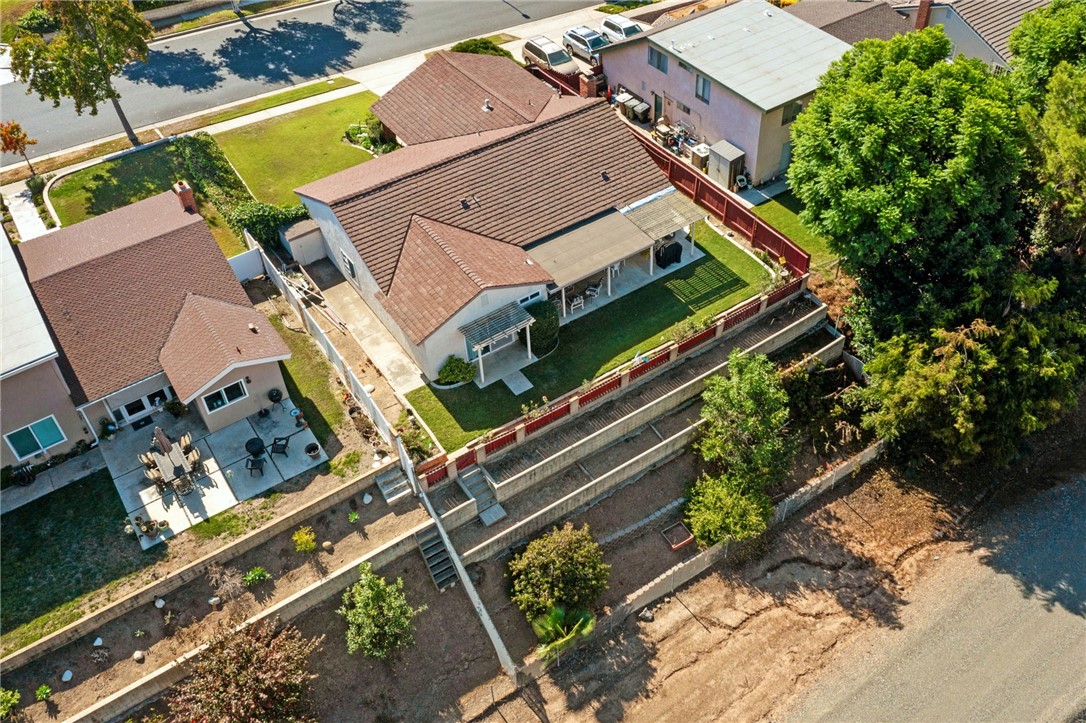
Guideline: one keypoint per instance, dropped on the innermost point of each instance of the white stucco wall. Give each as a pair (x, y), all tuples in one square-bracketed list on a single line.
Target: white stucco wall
[(965, 40), (338, 243)]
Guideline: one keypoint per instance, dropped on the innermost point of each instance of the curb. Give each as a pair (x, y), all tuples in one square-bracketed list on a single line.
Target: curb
[(211, 26)]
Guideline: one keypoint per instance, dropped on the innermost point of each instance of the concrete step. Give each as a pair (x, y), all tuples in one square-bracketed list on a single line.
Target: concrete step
[(394, 485), (438, 560), (492, 514)]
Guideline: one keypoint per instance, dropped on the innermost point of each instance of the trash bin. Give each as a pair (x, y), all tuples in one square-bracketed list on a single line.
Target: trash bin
[(641, 112)]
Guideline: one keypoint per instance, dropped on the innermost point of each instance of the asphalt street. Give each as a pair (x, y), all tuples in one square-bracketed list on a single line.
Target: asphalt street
[(207, 69), (997, 634)]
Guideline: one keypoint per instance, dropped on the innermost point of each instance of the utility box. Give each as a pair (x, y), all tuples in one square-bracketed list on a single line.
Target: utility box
[(699, 157), (725, 163)]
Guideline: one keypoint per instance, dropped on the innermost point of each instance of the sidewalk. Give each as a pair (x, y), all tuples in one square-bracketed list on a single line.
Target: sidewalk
[(52, 479), (23, 212)]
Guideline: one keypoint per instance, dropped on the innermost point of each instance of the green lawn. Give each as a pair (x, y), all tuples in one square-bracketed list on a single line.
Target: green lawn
[(58, 549), (306, 375), (112, 184), (276, 156), (601, 341), (782, 212)]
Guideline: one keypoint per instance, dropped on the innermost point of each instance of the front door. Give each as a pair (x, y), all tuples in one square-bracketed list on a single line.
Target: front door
[(786, 156), (657, 107)]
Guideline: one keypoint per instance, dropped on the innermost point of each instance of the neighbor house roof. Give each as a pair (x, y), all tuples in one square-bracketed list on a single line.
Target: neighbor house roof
[(444, 97), (994, 20), (111, 288), (516, 185), (211, 337), (443, 268), (24, 338), (754, 49), (852, 20)]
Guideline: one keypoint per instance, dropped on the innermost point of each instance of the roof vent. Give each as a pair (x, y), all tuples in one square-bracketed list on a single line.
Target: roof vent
[(486, 105), (464, 204), (253, 328), (604, 176), (769, 13)]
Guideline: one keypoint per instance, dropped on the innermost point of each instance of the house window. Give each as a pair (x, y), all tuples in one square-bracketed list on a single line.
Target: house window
[(658, 60), (682, 106), (528, 299), (225, 396), (348, 265), (701, 88), (35, 438), (684, 66), (791, 112)]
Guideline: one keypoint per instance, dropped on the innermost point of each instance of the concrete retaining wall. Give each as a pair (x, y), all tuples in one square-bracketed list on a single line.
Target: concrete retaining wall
[(582, 496), (196, 569), (460, 514)]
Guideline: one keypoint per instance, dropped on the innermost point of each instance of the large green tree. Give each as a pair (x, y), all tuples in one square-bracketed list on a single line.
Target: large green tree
[(562, 568), (723, 508), (95, 40), (1045, 38), (379, 619), (908, 164)]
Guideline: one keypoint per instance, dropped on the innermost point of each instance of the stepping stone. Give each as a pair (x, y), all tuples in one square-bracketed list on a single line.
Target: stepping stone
[(517, 383), (97, 642), (66, 676)]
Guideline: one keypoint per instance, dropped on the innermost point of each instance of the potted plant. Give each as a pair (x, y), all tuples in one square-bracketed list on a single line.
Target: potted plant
[(313, 450), (107, 428)]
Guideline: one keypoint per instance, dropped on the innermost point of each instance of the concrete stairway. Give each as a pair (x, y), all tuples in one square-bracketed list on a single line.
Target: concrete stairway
[(437, 558), (473, 481), (394, 485)]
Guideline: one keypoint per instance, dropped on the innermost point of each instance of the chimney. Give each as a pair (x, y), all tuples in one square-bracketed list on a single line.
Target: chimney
[(923, 14), (185, 196)]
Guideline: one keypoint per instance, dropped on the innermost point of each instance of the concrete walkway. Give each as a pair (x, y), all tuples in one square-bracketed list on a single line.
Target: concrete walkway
[(751, 197), (52, 479), (23, 213)]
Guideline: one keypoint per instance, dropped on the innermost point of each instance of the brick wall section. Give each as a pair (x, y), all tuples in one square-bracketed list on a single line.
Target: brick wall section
[(192, 571)]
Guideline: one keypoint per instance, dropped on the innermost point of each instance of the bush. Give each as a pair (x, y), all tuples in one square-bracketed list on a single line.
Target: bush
[(481, 46), (176, 407), (379, 619), (545, 328), (256, 673), (36, 184), (43, 693), (416, 441), (226, 582), (305, 539), (722, 509), (256, 576), (37, 20), (9, 700), (563, 568), (456, 370), (211, 173), (263, 220), (370, 133), (559, 629)]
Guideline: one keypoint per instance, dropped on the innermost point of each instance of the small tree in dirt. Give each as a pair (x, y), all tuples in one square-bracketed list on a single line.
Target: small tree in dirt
[(15, 140), (257, 673), (720, 509), (305, 539), (227, 582), (379, 619), (563, 568), (9, 701), (746, 414), (481, 46)]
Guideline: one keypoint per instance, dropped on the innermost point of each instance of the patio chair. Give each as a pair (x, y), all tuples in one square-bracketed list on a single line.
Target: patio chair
[(152, 474), (186, 442), (255, 464), (577, 302), (593, 290), (279, 446), (148, 460)]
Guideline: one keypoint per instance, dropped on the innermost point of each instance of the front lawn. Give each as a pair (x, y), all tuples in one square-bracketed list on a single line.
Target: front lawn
[(602, 340), (307, 375), (782, 212), (122, 181), (58, 549), (276, 156)]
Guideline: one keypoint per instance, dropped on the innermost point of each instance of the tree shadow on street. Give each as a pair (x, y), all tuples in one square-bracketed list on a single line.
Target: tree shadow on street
[(291, 50), (362, 16), (186, 69)]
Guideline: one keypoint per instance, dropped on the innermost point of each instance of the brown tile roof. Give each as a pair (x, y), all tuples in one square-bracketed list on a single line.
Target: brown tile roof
[(852, 20), (111, 288), (517, 186), (211, 337), (995, 19), (444, 267), (443, 97)]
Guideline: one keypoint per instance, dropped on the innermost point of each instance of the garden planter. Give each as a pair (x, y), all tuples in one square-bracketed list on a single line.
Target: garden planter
[(313, 450)]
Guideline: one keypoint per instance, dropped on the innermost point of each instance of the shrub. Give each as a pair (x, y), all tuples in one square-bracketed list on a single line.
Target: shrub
[(563, 568), (558, 629), (545, 328), (43, 693), (211, 173), (722, 509), (226, 582), (36, 184), (416, 441), (305, 539), (256, 673), (481, 46), (256, 576), (176, 407), (9, 700), (379, 619), (263, 220), (456, 370), (37, 20)]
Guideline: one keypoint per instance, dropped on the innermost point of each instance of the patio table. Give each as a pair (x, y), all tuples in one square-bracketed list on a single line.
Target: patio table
[(172, 465)]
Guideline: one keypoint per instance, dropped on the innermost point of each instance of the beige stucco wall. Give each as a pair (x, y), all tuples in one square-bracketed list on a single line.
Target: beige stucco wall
[(140, 389), (771, 140), (34, 394), (964, 39), (263, 378)]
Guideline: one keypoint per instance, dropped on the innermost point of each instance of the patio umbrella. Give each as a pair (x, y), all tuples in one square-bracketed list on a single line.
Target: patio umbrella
[(162, 440)]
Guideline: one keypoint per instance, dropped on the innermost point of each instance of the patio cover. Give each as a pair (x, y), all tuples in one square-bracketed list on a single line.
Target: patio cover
[(665, 214), (590, 247), (498, 323)]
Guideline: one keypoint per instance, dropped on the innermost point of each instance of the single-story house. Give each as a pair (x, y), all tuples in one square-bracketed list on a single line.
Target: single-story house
[(852, 20), (457, 94), (143, 308), (37, 414), (976, 28), (738, 74), (448, 240)]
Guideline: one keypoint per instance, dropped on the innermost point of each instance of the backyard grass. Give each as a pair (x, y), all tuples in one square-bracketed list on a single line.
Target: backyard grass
[(276, 156), (602, 340), (112, 184), (782, 212), (224, 523), (306, 376), (58, 549)]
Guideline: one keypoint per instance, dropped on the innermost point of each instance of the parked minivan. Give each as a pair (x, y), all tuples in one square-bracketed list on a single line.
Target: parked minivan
[(584, 42), (617, 27), (546, 53)]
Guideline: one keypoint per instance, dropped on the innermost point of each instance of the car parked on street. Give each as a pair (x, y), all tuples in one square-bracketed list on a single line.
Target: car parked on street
[(583, 42), (546, 53), (617, 27)]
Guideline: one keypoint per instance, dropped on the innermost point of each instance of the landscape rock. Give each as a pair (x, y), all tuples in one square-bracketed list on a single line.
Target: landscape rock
[(327, 546), (160, 603), (66, 676), (97, 642), (138, 656), (214, 601), (367, 498), (646, 616)]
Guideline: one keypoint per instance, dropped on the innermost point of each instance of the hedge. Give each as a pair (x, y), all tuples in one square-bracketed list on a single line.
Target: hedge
[(545, 328)]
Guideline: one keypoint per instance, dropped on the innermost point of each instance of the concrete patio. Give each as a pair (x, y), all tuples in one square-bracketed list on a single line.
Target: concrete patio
[(225, 481)]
